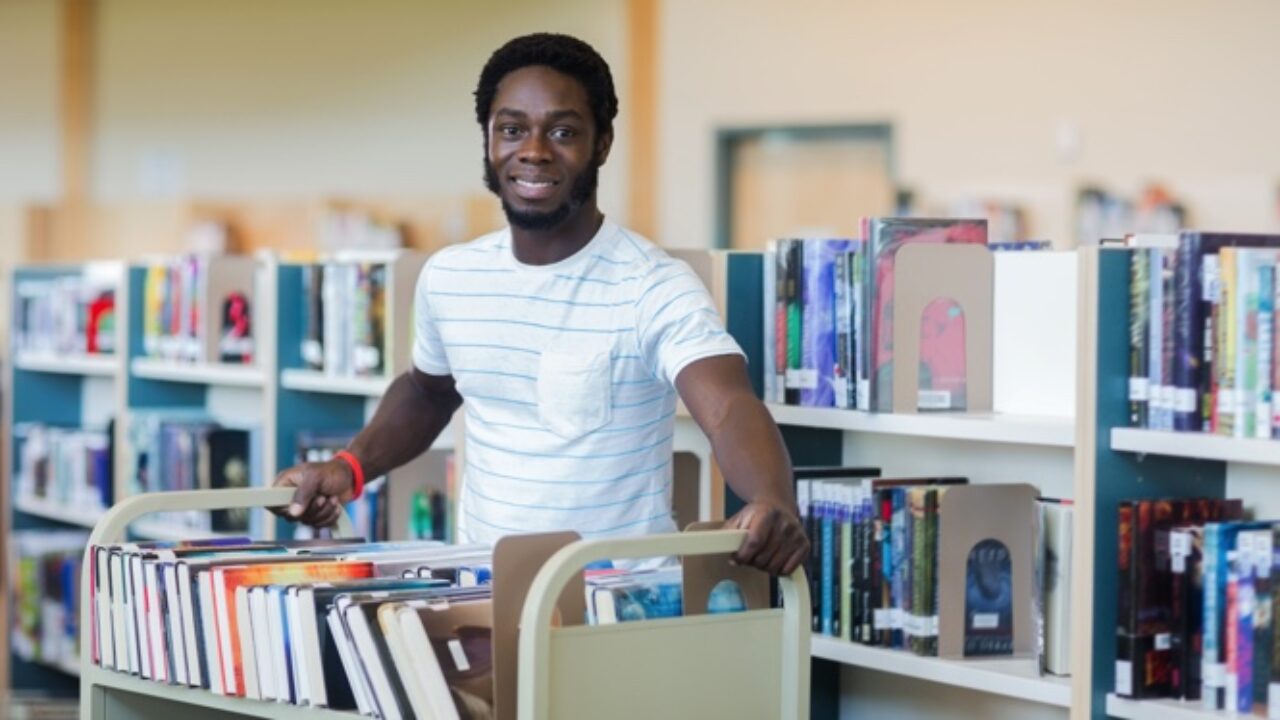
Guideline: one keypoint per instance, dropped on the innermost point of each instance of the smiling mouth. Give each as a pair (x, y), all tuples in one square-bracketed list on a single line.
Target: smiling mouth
[(533, 189)]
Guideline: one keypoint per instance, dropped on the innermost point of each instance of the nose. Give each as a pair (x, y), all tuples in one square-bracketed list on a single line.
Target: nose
[(534, 149)]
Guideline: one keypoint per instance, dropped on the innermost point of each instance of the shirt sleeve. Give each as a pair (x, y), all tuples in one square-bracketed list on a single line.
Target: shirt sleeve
[(676, 321), (428, 350)]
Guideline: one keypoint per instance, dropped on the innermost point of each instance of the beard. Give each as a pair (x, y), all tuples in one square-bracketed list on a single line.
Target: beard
[(583, 188)]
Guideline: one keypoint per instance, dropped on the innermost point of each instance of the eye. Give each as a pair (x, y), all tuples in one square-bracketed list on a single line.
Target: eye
[(509, 131), (563, 133)]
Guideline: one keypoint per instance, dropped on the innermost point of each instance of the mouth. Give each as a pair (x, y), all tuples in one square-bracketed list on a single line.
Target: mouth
[(533, 188)]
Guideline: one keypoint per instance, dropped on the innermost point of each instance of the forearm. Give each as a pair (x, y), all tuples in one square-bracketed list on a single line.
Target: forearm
[(408, 420), (749, 449)]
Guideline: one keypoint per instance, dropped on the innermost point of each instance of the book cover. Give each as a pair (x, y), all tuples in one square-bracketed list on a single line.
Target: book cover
[(227, 621), (461, 641), (820, 340), (942, 378), (795, 320)]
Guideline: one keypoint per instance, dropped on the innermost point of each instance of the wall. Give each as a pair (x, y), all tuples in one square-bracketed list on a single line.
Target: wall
[(292, 98), (981, 93), (28, 101)]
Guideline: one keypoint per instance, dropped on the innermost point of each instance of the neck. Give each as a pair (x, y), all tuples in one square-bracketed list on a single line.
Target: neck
[(544, 247)]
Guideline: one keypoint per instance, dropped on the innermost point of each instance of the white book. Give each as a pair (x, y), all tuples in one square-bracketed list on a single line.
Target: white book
[(209, 627), (1057, 588), (175, 637), (120, 614), (224, 645), (187, 609), (155, 623), (367, 652), (279, 665), (359, 686), (104, 623), (245, 638), (301, 694), (133, 565)]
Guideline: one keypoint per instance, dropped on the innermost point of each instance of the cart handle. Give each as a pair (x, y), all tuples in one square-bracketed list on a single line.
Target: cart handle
[(111, 528), (533, 690)]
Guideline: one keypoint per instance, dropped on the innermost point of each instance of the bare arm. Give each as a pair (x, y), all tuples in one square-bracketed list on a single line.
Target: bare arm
[(752, 457), (411, 415)]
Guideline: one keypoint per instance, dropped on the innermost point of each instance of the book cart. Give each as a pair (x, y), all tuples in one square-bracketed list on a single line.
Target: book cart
[(753, 664)]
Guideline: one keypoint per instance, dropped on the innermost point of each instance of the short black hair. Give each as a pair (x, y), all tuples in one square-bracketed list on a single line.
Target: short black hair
[(562, 53)]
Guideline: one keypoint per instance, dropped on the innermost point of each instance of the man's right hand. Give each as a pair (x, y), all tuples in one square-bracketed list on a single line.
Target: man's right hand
[(321, 490)]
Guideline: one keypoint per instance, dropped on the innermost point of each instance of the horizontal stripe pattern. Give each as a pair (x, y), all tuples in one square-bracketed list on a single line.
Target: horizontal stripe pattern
[(567, 373)]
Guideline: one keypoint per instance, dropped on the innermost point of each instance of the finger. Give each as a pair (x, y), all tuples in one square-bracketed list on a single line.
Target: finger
[(329, 516), (303, 497), (758, 539), (796, 559), (782, 549), (314, 510)]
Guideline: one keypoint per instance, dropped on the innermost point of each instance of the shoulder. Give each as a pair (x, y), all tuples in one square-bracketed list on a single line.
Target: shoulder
[(478, 252), (644, 263)]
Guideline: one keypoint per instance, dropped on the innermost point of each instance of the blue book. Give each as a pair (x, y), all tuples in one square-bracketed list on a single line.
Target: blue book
[(830, 573), (819, 344), (628, 597), (1218, 539)]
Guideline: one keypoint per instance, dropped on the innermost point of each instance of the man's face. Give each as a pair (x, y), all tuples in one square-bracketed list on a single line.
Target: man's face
[(543, 154)]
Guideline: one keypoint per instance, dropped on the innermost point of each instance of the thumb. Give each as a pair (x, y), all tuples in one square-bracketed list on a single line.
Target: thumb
[(305, 492)]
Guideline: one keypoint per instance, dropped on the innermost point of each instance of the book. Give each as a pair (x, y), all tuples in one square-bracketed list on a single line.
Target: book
[(942, 380)]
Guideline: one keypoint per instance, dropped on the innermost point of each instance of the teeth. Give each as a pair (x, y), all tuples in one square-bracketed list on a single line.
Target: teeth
[(534, 184)]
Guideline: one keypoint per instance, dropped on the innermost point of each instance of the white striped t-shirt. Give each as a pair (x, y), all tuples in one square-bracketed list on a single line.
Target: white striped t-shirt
[(567, 377)]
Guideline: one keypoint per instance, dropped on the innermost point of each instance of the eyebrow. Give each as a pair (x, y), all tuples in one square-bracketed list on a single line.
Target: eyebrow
[(553, 115)]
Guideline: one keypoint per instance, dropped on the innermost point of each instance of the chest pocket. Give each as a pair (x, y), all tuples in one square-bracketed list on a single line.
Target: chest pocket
[(575, 391)]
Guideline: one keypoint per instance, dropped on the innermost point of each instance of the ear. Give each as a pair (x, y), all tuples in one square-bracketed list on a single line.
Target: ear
[(603, 144)]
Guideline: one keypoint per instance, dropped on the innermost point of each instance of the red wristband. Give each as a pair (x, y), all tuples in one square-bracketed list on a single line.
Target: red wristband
[(357, 472)]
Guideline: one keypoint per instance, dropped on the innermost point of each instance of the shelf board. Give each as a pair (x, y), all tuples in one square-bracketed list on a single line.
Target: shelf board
[(1015, 678), (1196, 445), (194, 697), (199, 373), (319, 382), (70, 666), (981, 427), (52, 511), (70, 364), (1164, 710)]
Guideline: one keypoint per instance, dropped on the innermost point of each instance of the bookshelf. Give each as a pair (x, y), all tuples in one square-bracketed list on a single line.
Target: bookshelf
[(986, 447), (198, 373), (977, 427), (83, 364), (317, 382), (1118, 707), (1014, 678), (1196, 445), (59, 386)]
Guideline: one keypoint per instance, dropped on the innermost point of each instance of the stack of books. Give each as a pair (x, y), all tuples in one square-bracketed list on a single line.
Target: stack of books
[(391, 630), (67, 314), (45, 595), (199, 309), (65, 467), (344, 318)]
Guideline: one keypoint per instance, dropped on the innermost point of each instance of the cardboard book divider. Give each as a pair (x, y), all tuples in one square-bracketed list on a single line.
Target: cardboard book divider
[(516, 561), (703, 572), (968, 515), (964, 274)]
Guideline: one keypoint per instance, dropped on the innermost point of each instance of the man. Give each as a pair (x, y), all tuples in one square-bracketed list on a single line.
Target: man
[(567, 337)]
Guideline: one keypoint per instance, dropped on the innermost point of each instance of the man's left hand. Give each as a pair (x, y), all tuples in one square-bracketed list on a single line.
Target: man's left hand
[(775, 542)]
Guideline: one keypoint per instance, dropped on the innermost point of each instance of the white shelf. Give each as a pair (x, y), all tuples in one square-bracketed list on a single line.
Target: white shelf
[(1164, 710), (981, 427), (200, 698), (199, 373), (52, 511), (317, 381), (1015, 678), (70, 364), (1196, 445)]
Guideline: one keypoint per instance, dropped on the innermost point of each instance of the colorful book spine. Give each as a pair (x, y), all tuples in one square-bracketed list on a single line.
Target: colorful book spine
[(1139, 320), (1186, 336)]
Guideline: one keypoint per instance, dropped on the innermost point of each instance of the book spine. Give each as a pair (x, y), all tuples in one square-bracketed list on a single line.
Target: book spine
[(843, 622), (1226, 356), (829, 577), (1263, 627), (769, 321), (840, 290), (1139, 310), (1155, 406), (1168, 390), (1247, 357), (1211, 298), (795, 320), (782, 262), (1186, 336), (1264, 344)]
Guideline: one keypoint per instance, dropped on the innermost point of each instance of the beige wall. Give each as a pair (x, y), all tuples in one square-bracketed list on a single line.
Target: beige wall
[(299, 98), (1183, 91), (28, 101)]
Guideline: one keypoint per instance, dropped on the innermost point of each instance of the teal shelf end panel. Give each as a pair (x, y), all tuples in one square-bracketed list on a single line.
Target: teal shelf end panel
[(744, 306), (1123, 476)]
